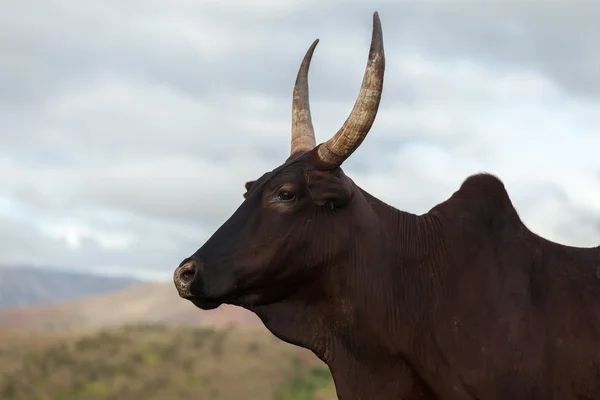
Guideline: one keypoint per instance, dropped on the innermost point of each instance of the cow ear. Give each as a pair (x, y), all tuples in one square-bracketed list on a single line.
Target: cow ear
[(325, 188), (248, 186)]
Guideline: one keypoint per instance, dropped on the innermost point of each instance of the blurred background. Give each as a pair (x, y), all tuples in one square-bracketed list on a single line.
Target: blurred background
[(128, 130)]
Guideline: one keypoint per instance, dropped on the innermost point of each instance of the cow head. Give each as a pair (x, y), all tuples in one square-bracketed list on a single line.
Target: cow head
[(296, 220)]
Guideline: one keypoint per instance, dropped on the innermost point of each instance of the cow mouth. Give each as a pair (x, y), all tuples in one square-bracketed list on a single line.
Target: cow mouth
[(210, 303), (242, 300), (205, 304), (246, 297)]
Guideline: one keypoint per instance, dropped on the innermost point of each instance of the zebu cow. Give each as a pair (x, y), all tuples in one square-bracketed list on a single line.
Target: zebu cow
[(463, 302)]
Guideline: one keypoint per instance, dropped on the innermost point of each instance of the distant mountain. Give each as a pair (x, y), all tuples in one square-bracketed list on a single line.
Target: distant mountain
[(25, 286), (151, 303)]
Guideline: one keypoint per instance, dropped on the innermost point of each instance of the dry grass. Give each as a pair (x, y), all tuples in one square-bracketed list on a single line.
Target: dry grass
[(156, 362)]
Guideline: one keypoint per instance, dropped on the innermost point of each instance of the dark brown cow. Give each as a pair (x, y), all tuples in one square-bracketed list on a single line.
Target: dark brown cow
[(463, 302)]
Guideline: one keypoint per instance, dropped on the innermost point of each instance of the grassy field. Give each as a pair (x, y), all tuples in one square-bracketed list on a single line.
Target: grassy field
[(154, 362)]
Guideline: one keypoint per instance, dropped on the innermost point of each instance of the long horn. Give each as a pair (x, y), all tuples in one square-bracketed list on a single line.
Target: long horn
[(303, 133), (359, 122)]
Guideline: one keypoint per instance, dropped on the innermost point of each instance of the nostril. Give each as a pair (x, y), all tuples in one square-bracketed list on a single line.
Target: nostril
[(187, 272)]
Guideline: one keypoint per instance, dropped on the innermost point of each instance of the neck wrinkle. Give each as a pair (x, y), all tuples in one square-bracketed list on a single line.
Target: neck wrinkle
[(421, 244), (410, 237), (413, 275)]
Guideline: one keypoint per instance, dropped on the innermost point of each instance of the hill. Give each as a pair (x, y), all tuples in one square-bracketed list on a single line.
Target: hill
[(157, 362), (24, 286), (145, 342), (150, 303)]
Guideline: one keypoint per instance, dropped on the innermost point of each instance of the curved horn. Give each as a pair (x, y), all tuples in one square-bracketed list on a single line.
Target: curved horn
[(303, 133), (359, 122)]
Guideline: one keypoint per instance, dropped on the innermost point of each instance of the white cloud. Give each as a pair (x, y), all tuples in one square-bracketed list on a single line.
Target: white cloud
[(73, 233)]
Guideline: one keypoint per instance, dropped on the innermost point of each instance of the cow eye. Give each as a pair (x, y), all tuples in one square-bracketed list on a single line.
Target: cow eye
[(286, 195)]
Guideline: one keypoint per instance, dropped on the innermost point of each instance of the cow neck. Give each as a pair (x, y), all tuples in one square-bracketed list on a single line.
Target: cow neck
[(374, 351), (391, 306), (405, 253), (411, 241), (411, 268)]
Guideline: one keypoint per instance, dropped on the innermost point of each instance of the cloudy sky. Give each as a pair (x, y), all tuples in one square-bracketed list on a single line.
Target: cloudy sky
[(128, 128)]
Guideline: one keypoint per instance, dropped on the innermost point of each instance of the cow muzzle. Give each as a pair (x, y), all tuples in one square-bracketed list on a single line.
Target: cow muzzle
[(184, 276)]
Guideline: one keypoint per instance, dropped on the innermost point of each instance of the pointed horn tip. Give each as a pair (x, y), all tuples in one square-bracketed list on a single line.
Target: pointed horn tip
[(311, 49), (377, 36), (306, 60), (376, 20), (313, 45)]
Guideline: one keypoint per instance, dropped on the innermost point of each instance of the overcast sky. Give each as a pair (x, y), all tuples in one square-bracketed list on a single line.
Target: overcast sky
[(128, 128)]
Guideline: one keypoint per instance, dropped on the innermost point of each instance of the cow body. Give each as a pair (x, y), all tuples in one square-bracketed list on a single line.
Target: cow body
[(462, 302)]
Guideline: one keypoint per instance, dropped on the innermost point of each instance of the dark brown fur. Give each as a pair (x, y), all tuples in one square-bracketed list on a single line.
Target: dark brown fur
[(463, 302)]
